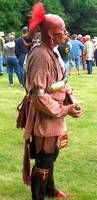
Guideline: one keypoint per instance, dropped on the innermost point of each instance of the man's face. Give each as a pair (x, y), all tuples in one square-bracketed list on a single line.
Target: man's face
[(59, 35)]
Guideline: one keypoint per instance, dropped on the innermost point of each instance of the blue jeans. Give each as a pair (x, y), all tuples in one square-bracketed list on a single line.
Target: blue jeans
[(89, 66), (77, 62), (13, 66), (1, 64), (21, 59)]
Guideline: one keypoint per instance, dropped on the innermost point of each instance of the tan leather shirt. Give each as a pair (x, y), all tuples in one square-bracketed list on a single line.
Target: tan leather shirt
[(46, 113)]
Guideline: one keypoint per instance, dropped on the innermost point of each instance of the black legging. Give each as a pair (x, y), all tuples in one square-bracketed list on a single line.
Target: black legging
[(39, 188)]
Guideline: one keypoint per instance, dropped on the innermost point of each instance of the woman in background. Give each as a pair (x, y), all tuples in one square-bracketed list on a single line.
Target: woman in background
[(12, 61), (89, 53)]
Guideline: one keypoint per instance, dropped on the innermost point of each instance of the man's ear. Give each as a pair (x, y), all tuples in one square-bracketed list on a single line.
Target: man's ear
[(50, 33)]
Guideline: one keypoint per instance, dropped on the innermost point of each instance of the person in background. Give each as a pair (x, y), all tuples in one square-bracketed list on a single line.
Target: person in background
[(89, 54), (83, 61), (95, 56), (1, 52), (11, 60), (95, 50), (21, 48), (79, 37), (75, 52), (45, 122), (60, 58), (64, 50)]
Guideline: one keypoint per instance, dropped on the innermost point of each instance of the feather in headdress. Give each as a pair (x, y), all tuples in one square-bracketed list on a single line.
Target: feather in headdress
[(37, 16)]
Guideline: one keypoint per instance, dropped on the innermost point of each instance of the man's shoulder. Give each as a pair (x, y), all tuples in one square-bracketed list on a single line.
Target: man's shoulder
[(19, 39), (40, 50)]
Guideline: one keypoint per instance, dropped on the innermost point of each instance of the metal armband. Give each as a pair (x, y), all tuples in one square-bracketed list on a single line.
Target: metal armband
[(37, 92)]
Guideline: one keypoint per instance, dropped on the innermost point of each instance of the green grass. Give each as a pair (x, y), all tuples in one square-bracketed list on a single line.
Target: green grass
[(76, 166)]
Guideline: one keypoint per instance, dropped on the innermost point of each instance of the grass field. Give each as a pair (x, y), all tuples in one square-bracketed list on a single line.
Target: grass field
[(76, 166)]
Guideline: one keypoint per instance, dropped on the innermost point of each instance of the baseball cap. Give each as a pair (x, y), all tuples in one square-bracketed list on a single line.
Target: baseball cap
[(25, 29)]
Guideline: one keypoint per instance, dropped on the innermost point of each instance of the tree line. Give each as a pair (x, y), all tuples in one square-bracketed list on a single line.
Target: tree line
[(80, 16)]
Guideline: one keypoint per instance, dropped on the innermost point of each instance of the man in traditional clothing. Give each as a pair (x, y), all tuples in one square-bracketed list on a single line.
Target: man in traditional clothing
[(46, 114)]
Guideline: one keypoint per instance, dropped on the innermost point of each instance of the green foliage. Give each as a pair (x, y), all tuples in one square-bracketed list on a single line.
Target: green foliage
[(13, 15), (79, 15), (54, 7)]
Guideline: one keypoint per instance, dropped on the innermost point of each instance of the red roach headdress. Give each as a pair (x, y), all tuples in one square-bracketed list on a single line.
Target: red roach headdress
[(37, 16)]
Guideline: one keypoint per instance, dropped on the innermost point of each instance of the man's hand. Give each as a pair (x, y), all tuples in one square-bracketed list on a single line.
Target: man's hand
[(75, 110)]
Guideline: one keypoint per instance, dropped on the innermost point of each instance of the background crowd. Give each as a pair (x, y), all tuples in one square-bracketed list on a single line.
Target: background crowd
[(76, 51)]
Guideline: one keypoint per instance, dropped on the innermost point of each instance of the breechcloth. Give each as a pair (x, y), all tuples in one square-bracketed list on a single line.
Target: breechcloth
[(42, 180)]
